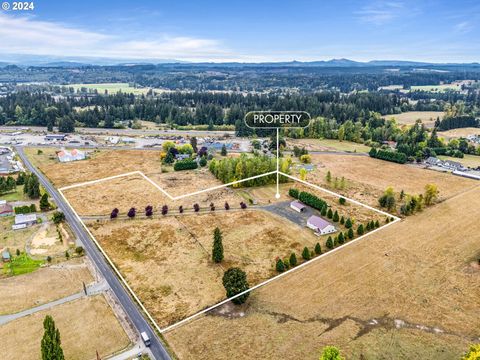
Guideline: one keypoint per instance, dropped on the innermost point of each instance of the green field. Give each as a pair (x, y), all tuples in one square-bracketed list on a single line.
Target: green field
[(21, 264), (16, 195), (436, 88), (328, 145), (112, 88)]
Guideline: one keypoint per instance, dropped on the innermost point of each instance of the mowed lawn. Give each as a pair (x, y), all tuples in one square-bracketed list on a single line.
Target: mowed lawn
[(409, 292), (86, 325)]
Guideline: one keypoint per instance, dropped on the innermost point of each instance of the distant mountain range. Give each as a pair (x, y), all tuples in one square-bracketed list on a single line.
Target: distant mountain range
[(51, 61)]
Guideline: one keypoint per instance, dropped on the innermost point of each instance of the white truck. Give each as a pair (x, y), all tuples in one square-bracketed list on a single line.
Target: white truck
[(145, 338)]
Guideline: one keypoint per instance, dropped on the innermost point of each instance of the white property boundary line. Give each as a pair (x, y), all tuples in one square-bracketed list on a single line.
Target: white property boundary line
[(181, 322)]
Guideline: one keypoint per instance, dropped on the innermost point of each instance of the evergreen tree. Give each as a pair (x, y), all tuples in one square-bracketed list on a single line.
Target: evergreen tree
[(44, 204), (51, 344), (280, 266), (217, 249), (306, 253), (224, 150), (329, 177), (350, 233), (324, 210), (342, 220), (348, 223), (335, 216), (329, 243), (360, 229), (377, 224), (341, 239), (235, 282), (330, 213), (293, 259), (33, 187), (318, 249)]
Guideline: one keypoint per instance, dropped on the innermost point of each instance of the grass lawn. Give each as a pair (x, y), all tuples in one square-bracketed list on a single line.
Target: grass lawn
[(111, 88), (22, 264), (472, 161), (16, 195)]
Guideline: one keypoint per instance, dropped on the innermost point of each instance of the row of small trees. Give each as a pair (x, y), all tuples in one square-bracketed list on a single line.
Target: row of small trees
[(388, 155), (289, 262), (132, 212)]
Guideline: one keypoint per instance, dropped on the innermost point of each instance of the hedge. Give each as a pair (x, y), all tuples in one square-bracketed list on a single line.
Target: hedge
[(388, 155), (293, 193), (312, 200), (186, 164)]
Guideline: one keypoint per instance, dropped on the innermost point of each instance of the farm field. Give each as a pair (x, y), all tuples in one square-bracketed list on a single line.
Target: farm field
[(437, 88), (472, 161), (458, 133), (327, 145), (367, 178), (410, 117), (111, 88), (408, 292), (81, 332), (162, 259), (43, 286)]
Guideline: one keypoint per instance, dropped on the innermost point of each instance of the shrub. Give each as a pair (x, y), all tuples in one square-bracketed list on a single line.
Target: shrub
[(280, 266), (306, 159), (149, 210), (58, 217), (342, 201), (196, 207), (293, 193), (306, 253), (180, 209), (243, 205), (212, 207), (79, 250), (350, 233), (293, 259), (318, 249), (227, 207), (203, 161), (235, 282), (131, 213), (164, 209), (377, 224), (114, 213), (186, 164)]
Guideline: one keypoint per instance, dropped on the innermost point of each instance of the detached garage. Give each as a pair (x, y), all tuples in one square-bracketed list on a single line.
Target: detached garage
[(297, 206), (320, 225)]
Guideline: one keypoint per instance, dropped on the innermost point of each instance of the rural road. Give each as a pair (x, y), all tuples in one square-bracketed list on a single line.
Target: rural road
[(128, 304)]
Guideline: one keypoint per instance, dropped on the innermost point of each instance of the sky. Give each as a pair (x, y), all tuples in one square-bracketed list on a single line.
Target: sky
[(246, 31)]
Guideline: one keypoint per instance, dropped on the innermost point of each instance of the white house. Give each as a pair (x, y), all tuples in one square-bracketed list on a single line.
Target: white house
[(320, 225), (74, 155), (297, 206), (22, 221)]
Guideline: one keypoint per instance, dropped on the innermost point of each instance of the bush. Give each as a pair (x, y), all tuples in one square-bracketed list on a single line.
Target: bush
[(114, 213), (79, 250), (350, 233), (203, 161), (293, 193), (235, 282), (227, 207), (360, 230), (180, 209), (164, 209), (293, 259), (306, 253), (280, 266), (306, 159), (132, 212), (342, 201), (149, 210), (58, 217), (196, 207), (186, 164), (243, 205), (318, 249)]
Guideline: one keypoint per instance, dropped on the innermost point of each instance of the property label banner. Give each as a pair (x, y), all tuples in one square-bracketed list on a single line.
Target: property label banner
[(277, 119)]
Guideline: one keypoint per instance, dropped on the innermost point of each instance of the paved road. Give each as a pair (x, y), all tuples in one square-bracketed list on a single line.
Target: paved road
[(120, 292)]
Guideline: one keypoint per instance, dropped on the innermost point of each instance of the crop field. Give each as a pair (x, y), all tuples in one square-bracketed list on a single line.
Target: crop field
[(328, 145), (43, 286), (367, 178), (410, 117), (82, 334), (410, 291)]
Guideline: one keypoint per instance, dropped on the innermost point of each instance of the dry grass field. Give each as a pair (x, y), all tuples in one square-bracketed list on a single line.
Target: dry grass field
[(101, 164), (327, 145), (410, 117), (458, 133), (134, 191), (167, 261), (472, 161), (367, 178), (43, 286), (409, 292), (82, 334)]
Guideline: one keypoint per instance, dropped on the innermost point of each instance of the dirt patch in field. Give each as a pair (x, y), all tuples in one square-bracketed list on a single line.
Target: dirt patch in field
[(42, 286), (81, 332), (408, 292)]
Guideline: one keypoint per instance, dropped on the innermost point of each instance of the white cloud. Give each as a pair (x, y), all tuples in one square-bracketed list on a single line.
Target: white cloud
[(27, 35), (380, 13), (463, 27)]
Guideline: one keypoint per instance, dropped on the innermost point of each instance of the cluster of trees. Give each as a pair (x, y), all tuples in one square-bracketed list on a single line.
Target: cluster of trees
[(25, 209), (460, 121), (31, 186), (233, 169), (410, 204), (7, 184), (235, 282), (389, 155)]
